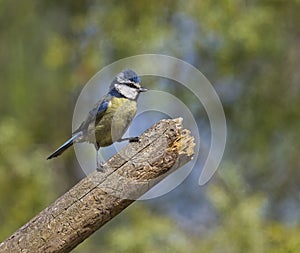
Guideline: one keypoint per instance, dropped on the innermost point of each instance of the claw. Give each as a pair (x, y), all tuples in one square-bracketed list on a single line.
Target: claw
[(130, 139), (100, 166)]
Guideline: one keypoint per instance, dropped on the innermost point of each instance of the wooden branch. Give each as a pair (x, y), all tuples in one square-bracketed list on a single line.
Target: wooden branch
[(102, 195)]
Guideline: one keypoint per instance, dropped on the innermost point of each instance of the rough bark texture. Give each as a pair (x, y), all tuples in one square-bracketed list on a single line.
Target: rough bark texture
[(102, 195)]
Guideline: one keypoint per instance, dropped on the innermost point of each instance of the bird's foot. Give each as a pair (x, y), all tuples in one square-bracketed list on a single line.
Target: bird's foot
[(100, 166), (134, 139), (130, 139)]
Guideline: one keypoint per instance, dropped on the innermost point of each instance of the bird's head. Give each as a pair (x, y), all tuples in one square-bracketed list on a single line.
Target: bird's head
[(127, 84)]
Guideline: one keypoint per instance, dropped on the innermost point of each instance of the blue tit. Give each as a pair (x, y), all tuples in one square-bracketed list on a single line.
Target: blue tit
[(107, 122)]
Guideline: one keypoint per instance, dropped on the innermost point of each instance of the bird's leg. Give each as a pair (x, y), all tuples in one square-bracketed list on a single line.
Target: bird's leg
[(100, 163), (130, 139)]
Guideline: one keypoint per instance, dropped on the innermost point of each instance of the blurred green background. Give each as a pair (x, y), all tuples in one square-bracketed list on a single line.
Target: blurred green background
[(248, 49)]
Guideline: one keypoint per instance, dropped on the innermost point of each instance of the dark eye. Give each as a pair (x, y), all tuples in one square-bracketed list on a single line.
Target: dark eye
[(131, 85)]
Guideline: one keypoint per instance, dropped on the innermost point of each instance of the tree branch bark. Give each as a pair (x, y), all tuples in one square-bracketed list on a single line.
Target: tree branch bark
[(102, 195)]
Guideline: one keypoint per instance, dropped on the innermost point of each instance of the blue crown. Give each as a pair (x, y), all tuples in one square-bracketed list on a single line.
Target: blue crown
[(131, 75)]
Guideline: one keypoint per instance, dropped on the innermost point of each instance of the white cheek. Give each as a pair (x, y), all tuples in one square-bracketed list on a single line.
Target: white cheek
[(126, 91), (131, 93)]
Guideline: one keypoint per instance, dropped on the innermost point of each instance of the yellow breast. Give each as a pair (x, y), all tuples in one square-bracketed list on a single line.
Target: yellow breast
[(115, 121)]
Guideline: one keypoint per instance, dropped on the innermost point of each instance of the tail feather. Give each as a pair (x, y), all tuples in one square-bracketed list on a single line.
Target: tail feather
[(65, 146)]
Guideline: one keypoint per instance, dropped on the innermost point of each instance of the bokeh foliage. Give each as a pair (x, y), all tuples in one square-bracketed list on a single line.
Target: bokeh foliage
[(248, 49)]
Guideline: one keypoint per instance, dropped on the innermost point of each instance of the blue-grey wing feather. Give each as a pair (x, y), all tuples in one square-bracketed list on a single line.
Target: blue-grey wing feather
[(95, 114)]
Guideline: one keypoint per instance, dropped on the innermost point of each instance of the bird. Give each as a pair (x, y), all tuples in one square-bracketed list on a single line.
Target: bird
[(111, 116)]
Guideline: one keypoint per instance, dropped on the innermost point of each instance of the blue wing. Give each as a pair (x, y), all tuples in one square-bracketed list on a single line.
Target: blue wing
[(95, 114), (101, 110)]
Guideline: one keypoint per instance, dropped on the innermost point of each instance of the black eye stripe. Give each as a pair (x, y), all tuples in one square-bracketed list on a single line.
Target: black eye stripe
[(131, 85)]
